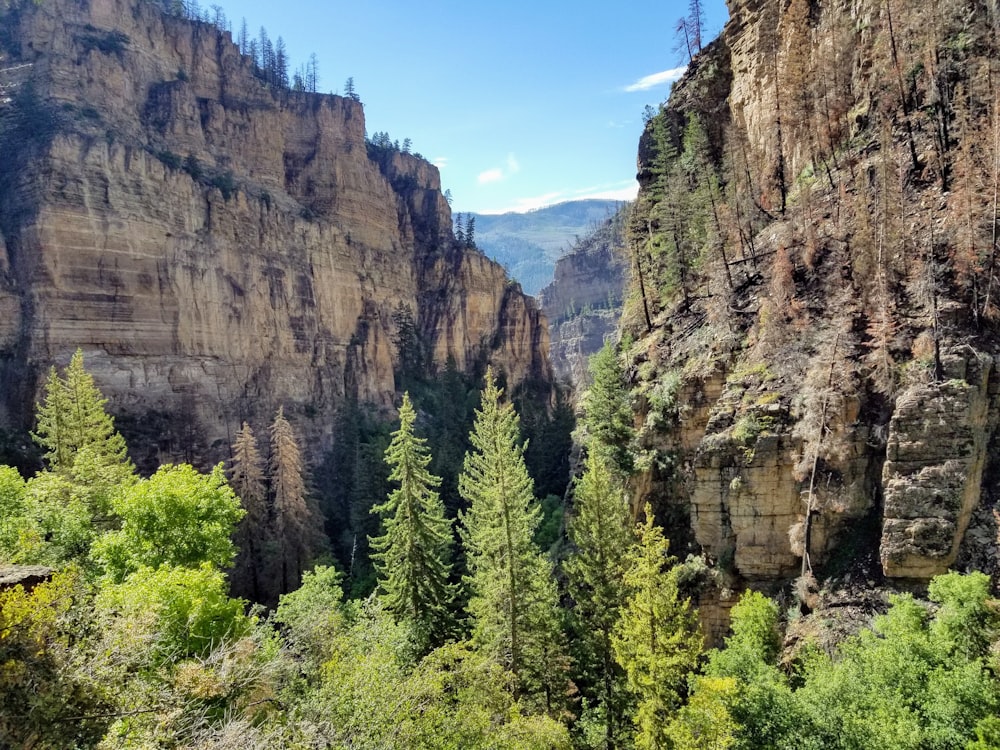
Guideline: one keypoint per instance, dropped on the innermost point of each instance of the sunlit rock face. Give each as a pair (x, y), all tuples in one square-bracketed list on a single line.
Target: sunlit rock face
[(214, 246)]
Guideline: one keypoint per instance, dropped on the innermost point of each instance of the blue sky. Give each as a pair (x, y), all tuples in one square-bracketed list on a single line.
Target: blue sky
[(521, 104)]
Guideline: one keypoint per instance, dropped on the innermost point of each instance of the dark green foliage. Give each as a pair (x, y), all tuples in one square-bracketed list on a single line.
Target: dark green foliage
[(107, 42), (413, 555), (193, 167), (607, 407), (225, 182), (513, 596)]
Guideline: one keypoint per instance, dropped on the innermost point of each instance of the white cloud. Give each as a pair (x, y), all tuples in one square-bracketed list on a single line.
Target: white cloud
[(490, 175), (440, 162), (656, 79), (496, 174), (621, 191)]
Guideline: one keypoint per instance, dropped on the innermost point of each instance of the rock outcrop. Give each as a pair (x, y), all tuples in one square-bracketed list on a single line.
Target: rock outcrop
[(216, 246), (584, 300), (815, 346)]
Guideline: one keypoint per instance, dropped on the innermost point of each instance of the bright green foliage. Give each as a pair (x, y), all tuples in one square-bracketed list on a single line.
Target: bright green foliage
[(413, 554), (73, 417), (513, 595), (704, 722), (601, 533), (607, 407), (763, 705), (914, 680), (657, 640), (312, 614), (20, 533), (456, 698), (911, 681), (62, 517), (177, 517), (174, 612), (39, 679)]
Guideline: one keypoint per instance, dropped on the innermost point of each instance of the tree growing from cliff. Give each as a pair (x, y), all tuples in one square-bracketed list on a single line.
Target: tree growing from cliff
[(601, 533), (513, 602), (413, 554), (656, 641), (292, 515)]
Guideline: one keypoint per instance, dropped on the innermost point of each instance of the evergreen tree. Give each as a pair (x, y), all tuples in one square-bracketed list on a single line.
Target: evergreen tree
[(413, 555), (513, 594), (608, 412), (657, 640), (291, 513), (246, 477), (72, 417), (470, 231), (350, 92), (602, 537)]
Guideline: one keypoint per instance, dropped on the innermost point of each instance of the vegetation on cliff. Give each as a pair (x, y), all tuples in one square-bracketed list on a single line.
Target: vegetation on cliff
[(131, 637)]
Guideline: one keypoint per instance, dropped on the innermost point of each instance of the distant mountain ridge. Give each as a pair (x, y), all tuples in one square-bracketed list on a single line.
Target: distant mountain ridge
[(528, 244)]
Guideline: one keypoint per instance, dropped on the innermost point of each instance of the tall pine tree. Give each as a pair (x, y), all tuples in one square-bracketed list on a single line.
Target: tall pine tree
[(657, 640), (413, 555), (72, 417), (246, 477), (602, 537), (513, 600), (608, 412), (291, 513)]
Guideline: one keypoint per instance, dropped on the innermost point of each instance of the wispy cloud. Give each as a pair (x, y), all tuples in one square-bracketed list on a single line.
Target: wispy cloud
[(440, 162), (622, 191), (656, 79), (490, 175), (496, 174)]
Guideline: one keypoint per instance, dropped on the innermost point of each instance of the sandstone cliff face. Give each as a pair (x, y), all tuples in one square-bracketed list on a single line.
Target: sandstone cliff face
[(815, 347), (584, 300), (217, 247)]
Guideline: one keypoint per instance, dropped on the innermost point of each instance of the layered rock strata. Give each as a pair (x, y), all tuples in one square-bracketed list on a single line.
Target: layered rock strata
[(218, 247)]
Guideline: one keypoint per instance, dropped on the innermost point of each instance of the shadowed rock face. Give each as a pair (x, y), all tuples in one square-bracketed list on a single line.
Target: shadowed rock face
[(216, 247)]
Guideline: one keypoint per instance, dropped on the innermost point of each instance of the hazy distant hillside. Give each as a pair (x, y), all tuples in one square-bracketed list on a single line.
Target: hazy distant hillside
[(528, 244)]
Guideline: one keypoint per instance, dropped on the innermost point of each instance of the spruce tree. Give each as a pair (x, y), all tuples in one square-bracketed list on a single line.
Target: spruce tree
[(513, 598), (291, 513), (601, 533), (72, 417), (657, 640), (608, 412), (413, 555), (246, 477)]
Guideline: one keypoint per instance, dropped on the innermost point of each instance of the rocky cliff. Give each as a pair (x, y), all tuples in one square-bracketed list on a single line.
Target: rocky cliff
[(584, 300), (217, 246), (815, 304)]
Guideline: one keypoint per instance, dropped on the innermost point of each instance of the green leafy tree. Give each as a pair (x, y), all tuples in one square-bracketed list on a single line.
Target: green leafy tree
[(601, 533), (657, 640), (293, 517), (20, 532), (246, 477), (413, 555), (513, 595), (608, 415), (762, 705), (177, 517)]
